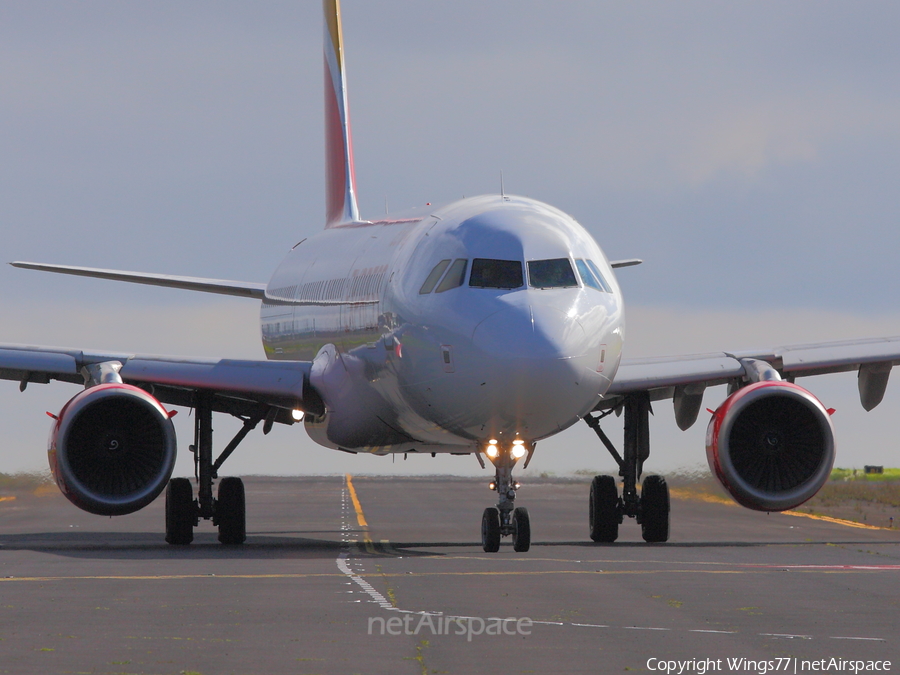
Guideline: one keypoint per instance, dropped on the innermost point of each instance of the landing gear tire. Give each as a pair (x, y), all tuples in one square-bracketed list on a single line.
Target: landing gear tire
[(490, 530), (604, 514), (655, 509), (180, 512), (521, 535), (231, 512)]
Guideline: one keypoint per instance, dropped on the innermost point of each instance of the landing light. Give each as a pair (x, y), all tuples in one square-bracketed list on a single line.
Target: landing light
[(519, 451), (493, 441), (492, 451), (297, 414)]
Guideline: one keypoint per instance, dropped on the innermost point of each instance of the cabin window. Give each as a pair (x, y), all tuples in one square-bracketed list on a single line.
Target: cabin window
[(488, 273), (455, 275), (433, 277), (554, 273)]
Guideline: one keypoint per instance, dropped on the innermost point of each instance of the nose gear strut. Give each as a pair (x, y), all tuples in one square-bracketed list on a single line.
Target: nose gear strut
[(506, 518)]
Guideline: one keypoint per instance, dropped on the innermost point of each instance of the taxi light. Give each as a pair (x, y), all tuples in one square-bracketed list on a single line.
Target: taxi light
[(492, 451), (518, 441), (297, 414), (493, 441), (492, 485), (518, 451)]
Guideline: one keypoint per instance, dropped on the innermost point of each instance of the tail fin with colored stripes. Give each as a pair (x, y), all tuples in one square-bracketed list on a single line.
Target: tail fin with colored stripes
[(340, 181)]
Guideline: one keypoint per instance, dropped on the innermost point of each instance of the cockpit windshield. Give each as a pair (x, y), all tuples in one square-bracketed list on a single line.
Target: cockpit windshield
[(554, 273), (433, 277), (455, 275), (591, 276), (487, 273)]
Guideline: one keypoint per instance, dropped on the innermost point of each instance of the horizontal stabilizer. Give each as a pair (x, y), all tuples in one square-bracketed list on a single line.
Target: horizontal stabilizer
[(242, 289)]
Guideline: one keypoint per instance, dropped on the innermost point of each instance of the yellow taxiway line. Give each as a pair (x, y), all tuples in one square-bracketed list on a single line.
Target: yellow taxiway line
[(360, 516)]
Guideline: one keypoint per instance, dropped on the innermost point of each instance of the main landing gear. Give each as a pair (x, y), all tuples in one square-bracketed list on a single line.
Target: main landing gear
[(228, 511), (607, 509), (506, 518)]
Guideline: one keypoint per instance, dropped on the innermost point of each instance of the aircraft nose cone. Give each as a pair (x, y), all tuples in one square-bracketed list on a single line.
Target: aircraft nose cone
[(530, 332), (534, 369)]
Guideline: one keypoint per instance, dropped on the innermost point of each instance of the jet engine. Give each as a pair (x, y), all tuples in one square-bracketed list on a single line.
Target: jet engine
[(112, 449), (771, 445)]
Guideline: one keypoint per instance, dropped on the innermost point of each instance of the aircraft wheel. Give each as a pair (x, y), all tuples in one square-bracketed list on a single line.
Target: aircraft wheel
[(490, 530), (231, 512), (521, 530), (179, 512), (655, 509), (604, 514)]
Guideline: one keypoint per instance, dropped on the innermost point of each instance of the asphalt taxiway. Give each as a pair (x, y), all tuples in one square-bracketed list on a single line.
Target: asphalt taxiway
[(384, 575)]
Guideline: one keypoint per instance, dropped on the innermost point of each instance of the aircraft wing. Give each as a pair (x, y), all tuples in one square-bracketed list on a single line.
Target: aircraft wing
[(680, 377), (241, 387), (242, 289)]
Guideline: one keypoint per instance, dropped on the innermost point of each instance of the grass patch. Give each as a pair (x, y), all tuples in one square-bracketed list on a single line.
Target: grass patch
[(837, 493), (851, 494), (848, 475)]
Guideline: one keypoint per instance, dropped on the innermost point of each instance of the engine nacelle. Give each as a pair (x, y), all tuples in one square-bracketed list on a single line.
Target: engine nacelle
[(112, 449), (771, 445)]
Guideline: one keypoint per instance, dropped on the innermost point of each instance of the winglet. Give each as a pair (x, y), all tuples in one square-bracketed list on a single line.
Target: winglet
[(340, 179)]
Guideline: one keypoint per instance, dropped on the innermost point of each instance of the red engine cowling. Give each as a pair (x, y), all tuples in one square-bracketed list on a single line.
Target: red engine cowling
[(112, 449), (771, 445)]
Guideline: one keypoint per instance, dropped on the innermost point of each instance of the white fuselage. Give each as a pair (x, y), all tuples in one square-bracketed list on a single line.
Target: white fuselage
[(405, 365)]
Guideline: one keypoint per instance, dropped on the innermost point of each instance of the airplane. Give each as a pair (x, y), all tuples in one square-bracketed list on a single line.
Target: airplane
[(480, 327)]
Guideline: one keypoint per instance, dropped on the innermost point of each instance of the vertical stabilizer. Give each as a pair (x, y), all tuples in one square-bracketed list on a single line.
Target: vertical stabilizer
[(340, 181)]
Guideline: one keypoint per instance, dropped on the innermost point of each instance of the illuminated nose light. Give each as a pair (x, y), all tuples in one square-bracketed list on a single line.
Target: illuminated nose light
[(493, 441), (492, 451), (518, 451), (297, 414)]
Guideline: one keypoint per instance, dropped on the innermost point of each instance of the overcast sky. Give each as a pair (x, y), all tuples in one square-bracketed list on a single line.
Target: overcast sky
[(748, 151)]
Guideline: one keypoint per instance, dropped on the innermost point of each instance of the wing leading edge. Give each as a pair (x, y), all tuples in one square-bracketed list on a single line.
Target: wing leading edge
[(678, 377), (242, 289), (239, 386)]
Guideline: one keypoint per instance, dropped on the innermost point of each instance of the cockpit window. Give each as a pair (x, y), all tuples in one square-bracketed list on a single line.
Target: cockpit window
[(433, 276), (587, 276), (555, 273), (599, 275), (455, 275), (487, 273)]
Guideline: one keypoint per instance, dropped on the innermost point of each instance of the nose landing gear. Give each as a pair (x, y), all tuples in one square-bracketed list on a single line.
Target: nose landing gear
[(506, 518)]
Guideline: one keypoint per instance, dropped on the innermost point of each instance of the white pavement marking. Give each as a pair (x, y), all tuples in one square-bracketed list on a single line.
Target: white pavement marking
[(342, 563), (644, 628), (787, 636)]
